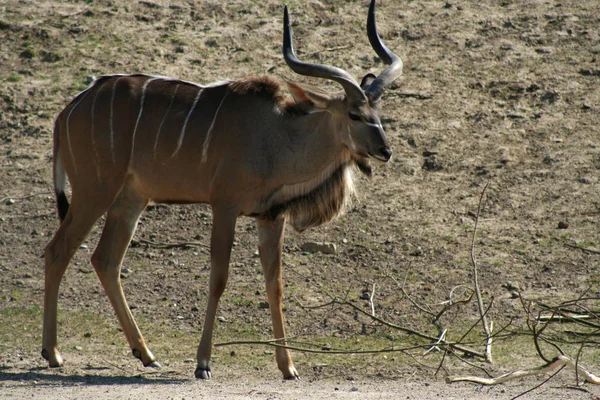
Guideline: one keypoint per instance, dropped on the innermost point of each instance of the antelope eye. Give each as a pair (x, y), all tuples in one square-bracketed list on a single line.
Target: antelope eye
[(354, 117)]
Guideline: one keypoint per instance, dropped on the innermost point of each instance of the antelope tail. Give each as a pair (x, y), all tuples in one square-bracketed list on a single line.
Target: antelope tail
[(60, 176)]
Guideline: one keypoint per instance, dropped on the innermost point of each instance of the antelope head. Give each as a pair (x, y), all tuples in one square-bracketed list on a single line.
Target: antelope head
[(355, 112)]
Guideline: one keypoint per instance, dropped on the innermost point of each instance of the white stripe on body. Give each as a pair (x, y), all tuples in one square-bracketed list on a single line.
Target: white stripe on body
[(182, 134), (96, 158), (207, 139), (163, 121), (112, 111), (83, 96), (139, 116)]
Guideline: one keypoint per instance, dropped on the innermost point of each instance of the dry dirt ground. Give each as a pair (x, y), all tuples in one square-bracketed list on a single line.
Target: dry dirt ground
[(505, 92)]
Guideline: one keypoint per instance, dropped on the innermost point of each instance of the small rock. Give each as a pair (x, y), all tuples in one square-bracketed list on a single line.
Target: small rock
[(326, 347), (321, 247), (354, 389), (512, 286), (221, 318), (79, 348), (563, 225), (83, 246), (263, 304), (9, 202), (417, 252), (431, 163), (505, 157)]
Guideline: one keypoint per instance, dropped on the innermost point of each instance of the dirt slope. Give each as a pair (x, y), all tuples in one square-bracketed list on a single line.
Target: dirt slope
[(506, 92)]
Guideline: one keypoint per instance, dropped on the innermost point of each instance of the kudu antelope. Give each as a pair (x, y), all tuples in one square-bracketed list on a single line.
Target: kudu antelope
[(245, 147)]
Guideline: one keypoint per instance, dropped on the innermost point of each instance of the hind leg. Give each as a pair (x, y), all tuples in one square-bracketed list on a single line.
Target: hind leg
[(121, 223), (79, 220)]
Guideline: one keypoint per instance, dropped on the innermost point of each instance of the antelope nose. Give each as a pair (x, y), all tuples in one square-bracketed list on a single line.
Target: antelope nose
[(386, 153)]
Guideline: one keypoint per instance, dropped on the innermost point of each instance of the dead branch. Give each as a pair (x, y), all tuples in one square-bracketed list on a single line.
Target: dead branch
[(327, 49), (452, 304), (584, 249), (183, 245), (433, 339), (435, 345), (371, 303), (405, 293), (302, 306), (557, 363), (486, 328), (539, 385), (2, 200), (274, 343)]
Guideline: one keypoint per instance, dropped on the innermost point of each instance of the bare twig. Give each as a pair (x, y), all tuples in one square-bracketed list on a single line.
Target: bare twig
[(538, 386), (584, 249), (558, 362), (2, 200), (440, 340), (452, 304), (409, 331), (564, 318), (486, 328), (327, 49), (302, 306), (275, 343), (183, 245), (371, 302), (409, 297)]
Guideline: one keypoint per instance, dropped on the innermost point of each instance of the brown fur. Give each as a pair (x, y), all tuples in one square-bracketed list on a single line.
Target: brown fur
[(269, 88), (321, 205)]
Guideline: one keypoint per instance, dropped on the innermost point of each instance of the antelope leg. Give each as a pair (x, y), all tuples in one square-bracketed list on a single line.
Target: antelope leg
[(121, 222), (58, 253), (270, 245), (221, 240)]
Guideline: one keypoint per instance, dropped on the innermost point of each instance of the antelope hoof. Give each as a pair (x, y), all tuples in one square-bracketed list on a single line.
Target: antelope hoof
[(54, 359), (203, 373), (150, 360), (291, 375), (153, 364)]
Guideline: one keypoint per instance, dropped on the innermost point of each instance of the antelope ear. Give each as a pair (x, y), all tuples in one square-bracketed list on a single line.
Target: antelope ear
[(303, 95), (366, 80)]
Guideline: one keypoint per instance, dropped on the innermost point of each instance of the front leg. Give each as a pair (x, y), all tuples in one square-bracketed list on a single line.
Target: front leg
[(223, 231), (270, 245)]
